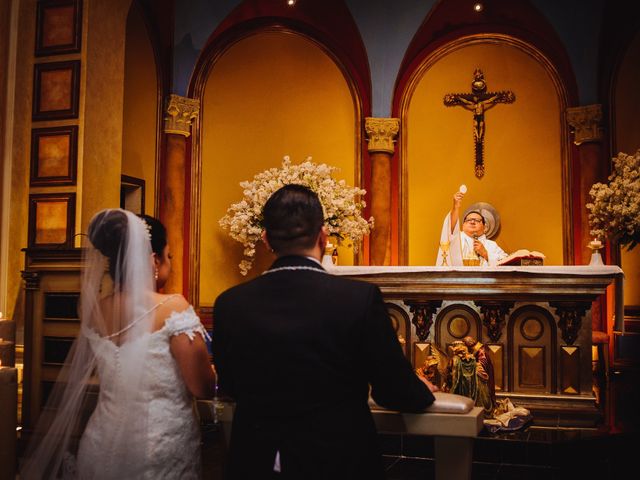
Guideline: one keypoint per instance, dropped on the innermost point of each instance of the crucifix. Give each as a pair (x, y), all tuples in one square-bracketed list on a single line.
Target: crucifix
[(478, 101)]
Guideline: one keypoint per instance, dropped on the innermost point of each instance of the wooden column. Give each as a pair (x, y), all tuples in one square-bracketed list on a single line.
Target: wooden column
[(180, 113), (381, 135), (586, 122)]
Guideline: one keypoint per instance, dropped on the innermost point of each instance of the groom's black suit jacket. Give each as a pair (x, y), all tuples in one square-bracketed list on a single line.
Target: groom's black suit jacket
[(297, 349)]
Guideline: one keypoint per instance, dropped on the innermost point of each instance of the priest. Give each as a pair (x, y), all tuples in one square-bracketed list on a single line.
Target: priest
[(467, 245)]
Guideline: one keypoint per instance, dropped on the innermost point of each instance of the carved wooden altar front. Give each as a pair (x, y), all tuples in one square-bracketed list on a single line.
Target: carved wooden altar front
[(534, 321)]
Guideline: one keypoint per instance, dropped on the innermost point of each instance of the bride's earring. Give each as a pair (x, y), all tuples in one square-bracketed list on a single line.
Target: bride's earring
[(155, 274)]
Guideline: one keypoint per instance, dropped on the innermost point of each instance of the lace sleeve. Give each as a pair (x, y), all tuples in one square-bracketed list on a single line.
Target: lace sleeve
[(186, 322)]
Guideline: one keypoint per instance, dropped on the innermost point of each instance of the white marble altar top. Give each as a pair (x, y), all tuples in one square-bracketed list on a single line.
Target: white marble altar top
[(545, 270), (476, 277)]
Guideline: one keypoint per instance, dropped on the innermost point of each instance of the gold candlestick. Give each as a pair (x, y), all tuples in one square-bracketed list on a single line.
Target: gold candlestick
[(596, 259), (444, 246)]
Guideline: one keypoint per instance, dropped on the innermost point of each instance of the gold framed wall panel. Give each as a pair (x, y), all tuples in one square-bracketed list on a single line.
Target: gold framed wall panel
[(56, 90), (58, 27), (51, 220), (54, 156)]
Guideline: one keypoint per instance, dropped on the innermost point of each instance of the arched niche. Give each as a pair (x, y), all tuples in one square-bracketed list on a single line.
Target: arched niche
[(271, 93), (141, 113), (401, 326), (525, 149), (626, 103)]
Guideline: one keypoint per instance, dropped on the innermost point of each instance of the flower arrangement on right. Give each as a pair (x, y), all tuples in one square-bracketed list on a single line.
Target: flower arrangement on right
[(615, 209)]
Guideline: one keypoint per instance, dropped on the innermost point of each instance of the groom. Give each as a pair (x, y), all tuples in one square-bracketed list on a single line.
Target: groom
[(298, 350)]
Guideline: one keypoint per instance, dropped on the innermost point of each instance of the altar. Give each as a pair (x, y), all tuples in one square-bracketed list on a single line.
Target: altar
[(534, 321)]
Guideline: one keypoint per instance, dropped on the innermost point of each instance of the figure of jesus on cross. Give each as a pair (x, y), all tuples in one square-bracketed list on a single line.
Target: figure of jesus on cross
[(478, 101)]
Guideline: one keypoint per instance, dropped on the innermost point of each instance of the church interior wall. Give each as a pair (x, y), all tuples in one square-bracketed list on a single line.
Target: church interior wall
[(140, 128), (17, 207), (626, 107), (387, 29), (102, 108), (5, 127), (269, 95), (522, 151), (374, 37)]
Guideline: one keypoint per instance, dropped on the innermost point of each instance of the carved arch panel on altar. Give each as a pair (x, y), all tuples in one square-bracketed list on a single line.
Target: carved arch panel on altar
[(532, 351), (454, 322)]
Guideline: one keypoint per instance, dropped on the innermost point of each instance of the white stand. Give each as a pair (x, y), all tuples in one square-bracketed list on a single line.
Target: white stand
[(453, 432), (596, 259), (327, 261)]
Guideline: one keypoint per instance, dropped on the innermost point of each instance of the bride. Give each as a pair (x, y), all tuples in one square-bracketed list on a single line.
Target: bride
[(147, 353)]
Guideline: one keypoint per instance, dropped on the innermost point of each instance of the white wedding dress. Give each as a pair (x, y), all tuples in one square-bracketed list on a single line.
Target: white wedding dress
[(167, 443)]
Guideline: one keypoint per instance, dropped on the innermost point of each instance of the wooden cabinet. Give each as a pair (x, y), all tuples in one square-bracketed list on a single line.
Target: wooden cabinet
[(52, 292)]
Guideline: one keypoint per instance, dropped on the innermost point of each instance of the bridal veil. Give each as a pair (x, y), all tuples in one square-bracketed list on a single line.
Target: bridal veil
[(116, 299)]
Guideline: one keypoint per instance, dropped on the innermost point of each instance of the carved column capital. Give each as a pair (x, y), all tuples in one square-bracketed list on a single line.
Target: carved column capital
[(570, 318), (180, 112), (493, 317), (31, 280), (423, 316), (586, 122), (381, 133)]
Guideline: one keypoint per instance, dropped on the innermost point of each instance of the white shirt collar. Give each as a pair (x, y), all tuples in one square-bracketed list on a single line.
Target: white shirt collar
[(314, 260)]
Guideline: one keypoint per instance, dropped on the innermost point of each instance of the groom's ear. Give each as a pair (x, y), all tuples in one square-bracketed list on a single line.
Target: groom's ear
[(322, 237), (265, 240)]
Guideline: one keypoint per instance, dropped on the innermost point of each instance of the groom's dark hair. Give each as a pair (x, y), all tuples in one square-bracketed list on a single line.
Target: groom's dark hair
[(292, 218)]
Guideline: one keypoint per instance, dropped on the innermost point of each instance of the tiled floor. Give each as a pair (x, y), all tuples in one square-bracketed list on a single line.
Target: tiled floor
[(604, 451)]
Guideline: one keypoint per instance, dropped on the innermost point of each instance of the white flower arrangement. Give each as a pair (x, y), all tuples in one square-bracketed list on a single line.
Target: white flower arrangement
[(615, 211), (342, 205)]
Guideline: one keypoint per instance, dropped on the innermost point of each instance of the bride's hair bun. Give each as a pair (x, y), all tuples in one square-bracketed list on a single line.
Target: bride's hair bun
[(108, 234)]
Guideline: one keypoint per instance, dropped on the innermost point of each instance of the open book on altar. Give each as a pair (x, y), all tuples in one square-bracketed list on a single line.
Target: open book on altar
[(523, 257)]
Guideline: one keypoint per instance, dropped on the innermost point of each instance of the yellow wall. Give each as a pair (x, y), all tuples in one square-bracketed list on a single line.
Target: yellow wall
[(140, 108), (101, 108), (20, 150), (99, 129), (5, 36), (271, 94), (522, 152), (627, 104)]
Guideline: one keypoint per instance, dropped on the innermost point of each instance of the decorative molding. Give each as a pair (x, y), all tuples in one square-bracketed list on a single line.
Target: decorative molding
[(493, 317), (31, 280), (381, 133), (570, 318), (181, 111), (423, 316), (586, 122)]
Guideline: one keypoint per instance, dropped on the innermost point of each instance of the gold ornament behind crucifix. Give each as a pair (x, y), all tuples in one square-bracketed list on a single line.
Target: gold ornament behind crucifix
[(478, 101)]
